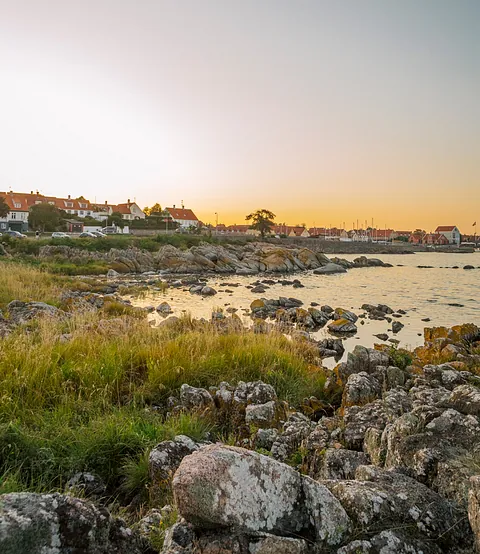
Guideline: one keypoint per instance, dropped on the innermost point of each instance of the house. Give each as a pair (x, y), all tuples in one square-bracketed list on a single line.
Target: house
[(184, 217), (129, 210), (382, 235), (435, 239), (17, 218), (451, 232), (298, 231), (416, 237)]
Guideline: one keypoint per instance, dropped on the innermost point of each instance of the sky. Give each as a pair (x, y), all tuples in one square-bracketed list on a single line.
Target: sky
[(323, 111)]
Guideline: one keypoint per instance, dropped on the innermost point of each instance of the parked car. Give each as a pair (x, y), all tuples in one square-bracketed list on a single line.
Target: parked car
[(15, 234), (59, 235), (99, 235), (110, 230), (87, 235)]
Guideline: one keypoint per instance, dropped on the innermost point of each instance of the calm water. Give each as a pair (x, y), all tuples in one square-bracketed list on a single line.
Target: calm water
[(421, 292)]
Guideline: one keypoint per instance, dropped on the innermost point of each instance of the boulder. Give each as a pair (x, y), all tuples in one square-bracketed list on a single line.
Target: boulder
[(342, 326), (227, 487), (164, 308), (339, 463), (165, 458), (193, 398), (379, 500), (265, 415), (329, 268), (361, 388), (55, 523)]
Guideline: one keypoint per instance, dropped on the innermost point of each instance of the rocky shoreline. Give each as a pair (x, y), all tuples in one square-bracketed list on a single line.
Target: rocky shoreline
[(248, 259), (393, 466)]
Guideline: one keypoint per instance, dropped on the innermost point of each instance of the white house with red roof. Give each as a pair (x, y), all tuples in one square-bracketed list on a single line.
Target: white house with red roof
[(451, 232), (184, 217)]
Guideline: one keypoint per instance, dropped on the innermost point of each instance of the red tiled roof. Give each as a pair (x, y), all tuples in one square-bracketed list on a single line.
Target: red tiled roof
[(22, 201), (443, 228), (182, 213)]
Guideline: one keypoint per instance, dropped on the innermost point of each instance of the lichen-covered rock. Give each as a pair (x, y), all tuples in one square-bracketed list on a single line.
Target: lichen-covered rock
[(339, 463), (342, 326), (265, 543), (56, 524), (358, 419), (220, 486), (419, 440), (254, 392), (270, 414), (362, 359), (295, 430), (265, 438), (21, 312), (165, 458), (360, 389), (379, 500), (466, 399), (193, 398), (474, 509), (179, 539), (342, 313), (391, 542), (88, 484)]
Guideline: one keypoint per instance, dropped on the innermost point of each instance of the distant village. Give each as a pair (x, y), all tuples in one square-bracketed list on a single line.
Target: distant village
[(85, 214)]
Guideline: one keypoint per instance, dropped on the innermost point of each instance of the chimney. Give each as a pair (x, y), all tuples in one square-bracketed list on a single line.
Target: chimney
[(174, 206), (128, 201), (31, 192), (106, 202), (182, 205), (69, 197)]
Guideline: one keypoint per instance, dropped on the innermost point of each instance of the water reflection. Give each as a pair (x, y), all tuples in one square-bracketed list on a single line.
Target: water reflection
[(443, 295)]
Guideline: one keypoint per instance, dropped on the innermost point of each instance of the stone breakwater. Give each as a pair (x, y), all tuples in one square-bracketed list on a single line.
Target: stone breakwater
[(392, 468), (248, 259)]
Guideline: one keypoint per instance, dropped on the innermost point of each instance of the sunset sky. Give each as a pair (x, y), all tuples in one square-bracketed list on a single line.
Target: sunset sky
[(324, 112)]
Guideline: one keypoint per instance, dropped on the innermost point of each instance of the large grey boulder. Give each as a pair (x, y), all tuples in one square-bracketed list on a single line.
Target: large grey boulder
[(228, 487), (379, 500), (58, 524), (21, 312)]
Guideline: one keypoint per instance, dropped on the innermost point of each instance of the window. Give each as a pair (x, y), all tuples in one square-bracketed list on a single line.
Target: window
[(51, 202), (80, 212), (17, 205), (13, 215), (82, 205), (69, 204)]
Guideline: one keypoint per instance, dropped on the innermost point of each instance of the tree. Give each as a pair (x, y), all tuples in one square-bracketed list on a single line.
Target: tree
[(155, 209), (46, 217), (4, 207), (262, 220), (116, 219)]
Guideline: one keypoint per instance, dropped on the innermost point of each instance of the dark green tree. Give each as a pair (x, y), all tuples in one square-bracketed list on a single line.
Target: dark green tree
[(116, 219), (46, 217), (4, 208), (262, 220)]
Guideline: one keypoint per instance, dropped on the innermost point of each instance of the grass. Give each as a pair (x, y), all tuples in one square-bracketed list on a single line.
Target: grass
[(96, 402), (21, 282)]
